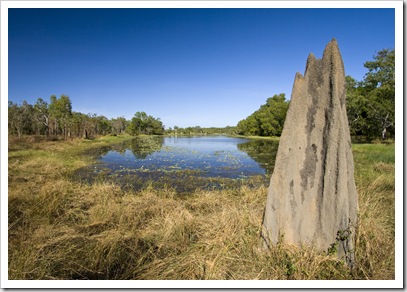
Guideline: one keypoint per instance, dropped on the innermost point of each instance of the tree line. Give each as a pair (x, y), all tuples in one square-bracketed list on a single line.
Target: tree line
[(370, 109), (197, 130), (370, 104), (56, 118)]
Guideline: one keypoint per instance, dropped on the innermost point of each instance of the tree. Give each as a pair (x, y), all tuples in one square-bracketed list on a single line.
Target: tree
[(90, 127), (142, 123), (381, 70), (249, 126), (102, 125), (20, 118), (65, 114), (15, 119), (157, 127), (61, 113), (356, 106), (268, 120), (118, 125), (78, 122), (380, 83), (42, 114), (371, 102), (28, 118), (53, 114)]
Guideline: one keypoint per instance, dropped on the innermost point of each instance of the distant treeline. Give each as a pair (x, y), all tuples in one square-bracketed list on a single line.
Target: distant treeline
[(197, 130), (56, 118), (370, 108)]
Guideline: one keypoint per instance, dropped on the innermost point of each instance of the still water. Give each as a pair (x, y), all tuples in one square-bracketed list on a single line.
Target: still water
[(187, 163)]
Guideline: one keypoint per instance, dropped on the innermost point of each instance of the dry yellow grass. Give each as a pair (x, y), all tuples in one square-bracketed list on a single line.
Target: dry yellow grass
[(61, 229)]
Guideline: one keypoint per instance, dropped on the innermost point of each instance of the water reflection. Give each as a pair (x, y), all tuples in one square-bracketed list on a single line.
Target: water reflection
[(262, 151), (142, 148), (185, 163)]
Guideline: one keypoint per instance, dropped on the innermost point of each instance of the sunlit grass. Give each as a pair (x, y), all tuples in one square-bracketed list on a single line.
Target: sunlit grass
[(64, 229)]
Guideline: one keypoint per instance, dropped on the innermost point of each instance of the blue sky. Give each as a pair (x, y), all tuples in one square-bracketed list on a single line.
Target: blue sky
[(188, 67)]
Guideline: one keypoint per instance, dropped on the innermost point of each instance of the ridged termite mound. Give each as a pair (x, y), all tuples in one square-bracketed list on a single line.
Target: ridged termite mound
[(312, 196)]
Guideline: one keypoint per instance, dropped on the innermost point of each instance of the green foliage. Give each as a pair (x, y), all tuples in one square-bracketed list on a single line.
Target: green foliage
[(60, 111), (42, 116), (142, 123), (333, 249), (119, 125), (381, 70), (197, 130), (268, 120), (371, 102), (20, 118), (57, 118)]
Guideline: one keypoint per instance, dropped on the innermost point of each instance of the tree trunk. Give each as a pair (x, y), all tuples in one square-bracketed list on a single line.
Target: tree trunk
[(384, 134)]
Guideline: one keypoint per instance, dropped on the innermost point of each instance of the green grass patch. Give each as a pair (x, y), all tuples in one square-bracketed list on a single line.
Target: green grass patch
[(374, 153)]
